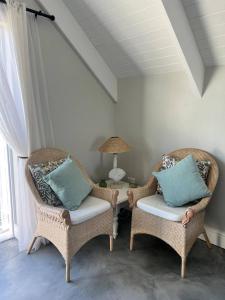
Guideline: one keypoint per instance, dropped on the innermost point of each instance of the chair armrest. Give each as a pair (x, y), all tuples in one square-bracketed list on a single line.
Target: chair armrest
[(137, 193), (202, 204), (55, 214), (107, 194), (194, 209)]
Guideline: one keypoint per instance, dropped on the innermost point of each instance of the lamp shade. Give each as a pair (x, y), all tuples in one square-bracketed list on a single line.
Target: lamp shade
[(114, 145)]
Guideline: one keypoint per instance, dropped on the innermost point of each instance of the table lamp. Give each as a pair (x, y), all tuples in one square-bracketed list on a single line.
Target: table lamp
[(115, 145)]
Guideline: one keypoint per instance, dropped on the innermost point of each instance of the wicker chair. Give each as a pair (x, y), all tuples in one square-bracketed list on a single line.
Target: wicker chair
[(55, 224), (182, 234)]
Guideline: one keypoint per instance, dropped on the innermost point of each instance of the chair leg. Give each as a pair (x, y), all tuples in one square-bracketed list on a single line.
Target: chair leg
[(111, 243), (209, 245), (131, 242), (183, 266), (31, 245), (68, 263)]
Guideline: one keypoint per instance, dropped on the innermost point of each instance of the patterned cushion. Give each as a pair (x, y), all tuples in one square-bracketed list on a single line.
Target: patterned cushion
[(170, 161), (38, 171), (167, 162), (204, 167)]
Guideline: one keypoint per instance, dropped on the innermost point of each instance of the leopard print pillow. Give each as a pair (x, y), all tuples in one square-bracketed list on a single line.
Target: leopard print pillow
[(167, 162), (38, 171), (204, 167), (170, 161)]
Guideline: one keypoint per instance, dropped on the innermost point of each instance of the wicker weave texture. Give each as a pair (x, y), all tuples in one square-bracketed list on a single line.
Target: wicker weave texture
[(54, 224), (114, 144), (174, 234), (180, 238)]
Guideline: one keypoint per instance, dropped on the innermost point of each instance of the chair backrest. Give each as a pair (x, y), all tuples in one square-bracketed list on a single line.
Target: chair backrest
[(198, 155), (44, 155)]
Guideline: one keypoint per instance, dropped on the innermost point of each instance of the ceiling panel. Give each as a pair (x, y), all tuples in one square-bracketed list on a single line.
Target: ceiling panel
[(205, 8), (132, 36), (207, 20)]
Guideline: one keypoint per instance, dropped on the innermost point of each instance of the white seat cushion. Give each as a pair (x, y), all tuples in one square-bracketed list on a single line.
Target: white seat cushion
[(156, 205), (90, 208)]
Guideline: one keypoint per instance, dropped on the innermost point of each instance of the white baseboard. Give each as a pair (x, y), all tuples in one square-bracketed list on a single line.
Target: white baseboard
[(216, 237)]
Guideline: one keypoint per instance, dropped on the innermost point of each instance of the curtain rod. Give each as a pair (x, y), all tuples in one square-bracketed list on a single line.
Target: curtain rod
[(36, 12)]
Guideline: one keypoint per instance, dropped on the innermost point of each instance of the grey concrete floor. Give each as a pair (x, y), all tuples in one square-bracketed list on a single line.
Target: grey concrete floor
[(152, 272)]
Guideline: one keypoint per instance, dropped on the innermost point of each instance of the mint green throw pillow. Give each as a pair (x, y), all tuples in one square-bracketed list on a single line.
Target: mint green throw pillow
[(182, 183), (69, 184)]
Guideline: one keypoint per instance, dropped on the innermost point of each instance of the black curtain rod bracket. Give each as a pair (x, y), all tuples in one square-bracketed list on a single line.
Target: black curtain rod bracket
[(36, 12)]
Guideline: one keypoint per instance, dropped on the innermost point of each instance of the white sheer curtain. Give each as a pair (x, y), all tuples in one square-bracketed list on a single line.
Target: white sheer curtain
[(12, 121), (24, 113)]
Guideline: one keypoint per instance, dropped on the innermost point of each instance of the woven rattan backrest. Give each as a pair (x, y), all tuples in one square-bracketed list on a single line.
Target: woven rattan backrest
[(44, 155), (198, 155)]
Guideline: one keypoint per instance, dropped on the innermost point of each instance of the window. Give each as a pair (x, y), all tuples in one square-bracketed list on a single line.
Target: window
[(6, 228)]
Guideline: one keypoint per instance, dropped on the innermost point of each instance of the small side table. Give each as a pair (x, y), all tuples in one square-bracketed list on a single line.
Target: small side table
[(122, 187)]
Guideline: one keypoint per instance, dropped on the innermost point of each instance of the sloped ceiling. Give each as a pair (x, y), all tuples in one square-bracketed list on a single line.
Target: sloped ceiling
[(207, 20), (131, 35), (143, 37)]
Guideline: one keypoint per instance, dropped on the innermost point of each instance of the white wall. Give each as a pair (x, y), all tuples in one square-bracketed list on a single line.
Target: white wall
[(155, 115), (81, 111), (160, 113)]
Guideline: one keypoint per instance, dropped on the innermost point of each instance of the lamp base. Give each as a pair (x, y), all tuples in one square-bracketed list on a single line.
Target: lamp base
[(116, 174)]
